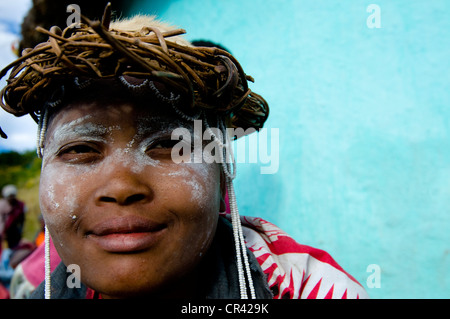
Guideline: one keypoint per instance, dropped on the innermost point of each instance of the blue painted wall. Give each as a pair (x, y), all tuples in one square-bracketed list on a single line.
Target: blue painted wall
[(364, 124)]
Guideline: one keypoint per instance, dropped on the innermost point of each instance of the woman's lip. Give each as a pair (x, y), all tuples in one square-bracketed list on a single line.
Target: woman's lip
[(125, 224), (126, 234)]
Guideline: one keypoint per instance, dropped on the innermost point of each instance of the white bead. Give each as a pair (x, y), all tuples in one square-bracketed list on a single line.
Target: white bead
[(47, 286), (230, 173)]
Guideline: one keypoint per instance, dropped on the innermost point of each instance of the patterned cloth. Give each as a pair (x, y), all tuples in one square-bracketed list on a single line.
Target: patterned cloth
[(296, 271)]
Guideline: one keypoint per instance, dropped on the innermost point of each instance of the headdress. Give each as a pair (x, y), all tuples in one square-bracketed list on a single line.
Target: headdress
[(208, 78), (209, 81)]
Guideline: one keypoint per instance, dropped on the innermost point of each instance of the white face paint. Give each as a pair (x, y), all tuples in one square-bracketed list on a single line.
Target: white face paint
[(114, 163)]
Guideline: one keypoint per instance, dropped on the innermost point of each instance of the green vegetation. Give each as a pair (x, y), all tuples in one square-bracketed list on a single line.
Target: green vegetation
[(23, 170)]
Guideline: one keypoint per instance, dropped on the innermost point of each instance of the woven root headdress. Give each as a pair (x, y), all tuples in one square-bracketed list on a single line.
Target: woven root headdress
[(209, 79)]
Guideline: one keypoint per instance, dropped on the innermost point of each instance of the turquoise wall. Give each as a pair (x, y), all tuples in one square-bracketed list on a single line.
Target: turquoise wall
[(364, 127)]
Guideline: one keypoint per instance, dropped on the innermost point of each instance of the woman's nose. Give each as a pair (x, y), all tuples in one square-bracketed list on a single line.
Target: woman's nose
[(124, 188)]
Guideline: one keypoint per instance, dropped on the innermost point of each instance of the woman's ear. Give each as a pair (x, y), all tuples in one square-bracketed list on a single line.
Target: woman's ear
[(223, 192)]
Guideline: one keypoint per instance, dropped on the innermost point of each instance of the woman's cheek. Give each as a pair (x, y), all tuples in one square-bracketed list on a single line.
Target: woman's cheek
[(58, 199), (201, 192)]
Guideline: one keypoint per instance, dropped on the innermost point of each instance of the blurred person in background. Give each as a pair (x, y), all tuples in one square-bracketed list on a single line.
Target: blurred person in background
[(12, 216)]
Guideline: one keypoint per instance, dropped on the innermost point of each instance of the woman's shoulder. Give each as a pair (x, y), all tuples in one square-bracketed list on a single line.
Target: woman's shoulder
[(294, 270)]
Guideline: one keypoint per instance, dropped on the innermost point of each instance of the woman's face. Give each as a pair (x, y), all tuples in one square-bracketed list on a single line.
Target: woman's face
[(117, 205)]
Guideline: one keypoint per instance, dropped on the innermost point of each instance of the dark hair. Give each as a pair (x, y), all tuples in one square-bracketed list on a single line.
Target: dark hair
[(209, 44)]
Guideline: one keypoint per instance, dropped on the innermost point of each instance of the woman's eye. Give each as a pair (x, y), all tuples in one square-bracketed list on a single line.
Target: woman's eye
[(164, 144), (79, 149), (79, 153), (164, 149)]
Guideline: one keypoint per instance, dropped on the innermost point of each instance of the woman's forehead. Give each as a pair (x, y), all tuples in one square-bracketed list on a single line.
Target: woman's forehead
[(139, 116)]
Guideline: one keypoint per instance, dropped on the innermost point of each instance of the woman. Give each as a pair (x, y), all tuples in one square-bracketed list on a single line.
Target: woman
[(135, 221)]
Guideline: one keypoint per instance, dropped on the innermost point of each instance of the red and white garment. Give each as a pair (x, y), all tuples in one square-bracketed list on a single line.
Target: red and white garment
[(297, 271)]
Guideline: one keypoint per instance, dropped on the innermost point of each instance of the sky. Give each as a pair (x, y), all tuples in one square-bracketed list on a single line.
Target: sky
[(21, 131)]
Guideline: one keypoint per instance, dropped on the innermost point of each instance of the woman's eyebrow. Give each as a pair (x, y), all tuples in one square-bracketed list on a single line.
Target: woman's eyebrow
[(77, 128), (152, 125)]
